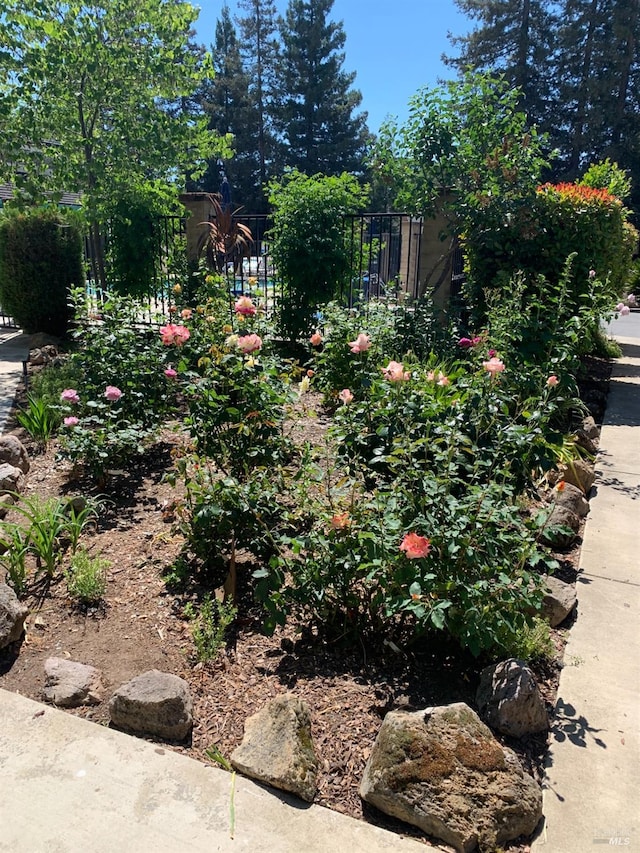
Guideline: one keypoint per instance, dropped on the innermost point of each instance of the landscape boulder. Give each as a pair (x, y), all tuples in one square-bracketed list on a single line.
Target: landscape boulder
[(154, 703), (13, 452), (590, 428), (561, 528), (69, 684), (442, 770), (559, 600), (12, 615), (579, 473), (509, 700), (6, 502), (11, 478), (572, 498), (277, 747)]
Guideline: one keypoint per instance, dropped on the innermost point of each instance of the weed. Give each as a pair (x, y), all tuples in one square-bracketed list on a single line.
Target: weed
[(87, 577), (533, 641), (208, 626)]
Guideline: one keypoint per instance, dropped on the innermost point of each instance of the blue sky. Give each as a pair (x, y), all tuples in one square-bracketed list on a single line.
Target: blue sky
[(394, 46)]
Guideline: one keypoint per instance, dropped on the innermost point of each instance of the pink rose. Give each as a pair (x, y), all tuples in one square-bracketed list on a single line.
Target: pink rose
[(552, 380), (249, 343), (361, 343), (415, 546), (71, 421), (493, 366), (70, 395), (174, 334), (112, 393), (592, 274), (631, 299), (315, 339), (186, 313), (625, 311), (395, 372), (245, 306), (619, 306), (346, 396), (465, 343), (170, 373), (443, 381)]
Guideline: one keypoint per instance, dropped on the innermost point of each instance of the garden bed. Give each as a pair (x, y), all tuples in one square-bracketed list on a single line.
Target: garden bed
[(141, 626)]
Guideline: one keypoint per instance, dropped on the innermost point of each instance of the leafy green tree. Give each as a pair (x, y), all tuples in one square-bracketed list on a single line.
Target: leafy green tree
[(261, 56), (317, 114), (467, 153), (90, 93)]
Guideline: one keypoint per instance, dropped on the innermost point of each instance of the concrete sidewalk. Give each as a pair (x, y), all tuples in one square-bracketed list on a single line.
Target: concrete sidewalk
[(592, 789), (70, 786), (14, 349)]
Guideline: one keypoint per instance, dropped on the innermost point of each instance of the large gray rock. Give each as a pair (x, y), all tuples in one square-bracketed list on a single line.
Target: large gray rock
[(277, 747), (154, 703), (11, 478), (509, 699), (572, 498), (13, 452), (442, 770), (69, 684), (561, 528), (12, 615), (559, 600), (579, 473)]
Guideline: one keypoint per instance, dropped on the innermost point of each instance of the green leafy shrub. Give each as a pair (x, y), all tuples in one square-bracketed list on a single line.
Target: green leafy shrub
[(309, 243), (415, 559), (40, 261), (132, 244), (606, 175), (562, 220)]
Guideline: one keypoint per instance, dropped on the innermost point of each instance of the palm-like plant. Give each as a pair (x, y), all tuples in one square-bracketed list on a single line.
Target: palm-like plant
[(225, 240)]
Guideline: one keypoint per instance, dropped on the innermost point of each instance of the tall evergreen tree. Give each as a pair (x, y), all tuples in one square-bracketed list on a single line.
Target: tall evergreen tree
[(225, 101), (513, 37), (598, 72), (260, 54), (317, 114)]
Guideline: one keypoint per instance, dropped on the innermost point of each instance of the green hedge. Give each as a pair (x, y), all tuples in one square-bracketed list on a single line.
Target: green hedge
[(561, 220), (40, 260)]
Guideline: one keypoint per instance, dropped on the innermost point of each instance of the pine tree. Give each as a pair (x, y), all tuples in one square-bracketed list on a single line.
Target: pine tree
[(514, 37), (225, 101), (317, 115), (598, 71), (260, 53)]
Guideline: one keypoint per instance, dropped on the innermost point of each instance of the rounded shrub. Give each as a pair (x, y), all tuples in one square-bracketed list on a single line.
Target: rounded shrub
[(40, 260)]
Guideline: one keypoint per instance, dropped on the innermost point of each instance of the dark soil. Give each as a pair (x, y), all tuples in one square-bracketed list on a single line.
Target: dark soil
[(141, 626)]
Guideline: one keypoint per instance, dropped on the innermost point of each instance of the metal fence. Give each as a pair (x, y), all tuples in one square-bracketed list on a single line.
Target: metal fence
[(383, 249)]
